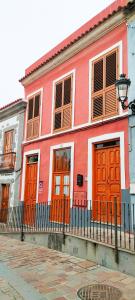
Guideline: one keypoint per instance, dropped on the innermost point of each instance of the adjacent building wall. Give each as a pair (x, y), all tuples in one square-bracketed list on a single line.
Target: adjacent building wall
[(131, 75), (15, 122)]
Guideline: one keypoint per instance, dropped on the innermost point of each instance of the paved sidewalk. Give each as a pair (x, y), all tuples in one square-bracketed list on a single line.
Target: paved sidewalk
[(31, 272)]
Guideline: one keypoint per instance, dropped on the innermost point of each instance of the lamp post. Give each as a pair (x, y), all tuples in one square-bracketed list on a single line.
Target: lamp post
[(122, 86)]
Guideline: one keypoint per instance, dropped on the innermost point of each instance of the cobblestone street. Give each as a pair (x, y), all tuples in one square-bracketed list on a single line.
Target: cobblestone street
[(32, 272)]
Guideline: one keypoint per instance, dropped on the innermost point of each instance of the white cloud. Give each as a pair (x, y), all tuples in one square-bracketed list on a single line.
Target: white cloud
[(29, 28)]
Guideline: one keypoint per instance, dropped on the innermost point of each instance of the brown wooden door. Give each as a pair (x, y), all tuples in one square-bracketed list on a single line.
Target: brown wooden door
[(30, 192), (4, 203), (60, 204), (107, 184)]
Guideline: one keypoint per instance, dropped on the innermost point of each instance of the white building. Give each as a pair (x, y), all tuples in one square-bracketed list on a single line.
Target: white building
[(11, 135)]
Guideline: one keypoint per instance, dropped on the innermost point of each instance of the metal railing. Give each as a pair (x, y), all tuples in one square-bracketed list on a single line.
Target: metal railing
[(107, 222), (7, 161)]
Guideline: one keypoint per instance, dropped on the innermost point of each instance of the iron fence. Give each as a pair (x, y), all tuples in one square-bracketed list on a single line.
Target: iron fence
[(108, 222)]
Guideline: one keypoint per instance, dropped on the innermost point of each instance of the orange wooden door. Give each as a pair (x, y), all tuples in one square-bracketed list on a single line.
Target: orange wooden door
[(60, 205), (60, 202), (106, 184), (30, 193), (4, 203)]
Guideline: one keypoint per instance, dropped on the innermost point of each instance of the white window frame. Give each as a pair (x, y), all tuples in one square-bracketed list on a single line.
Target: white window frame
[(26, 154), (117, 45), (72, 73), (56, 147), (29, 96), (101, 138)]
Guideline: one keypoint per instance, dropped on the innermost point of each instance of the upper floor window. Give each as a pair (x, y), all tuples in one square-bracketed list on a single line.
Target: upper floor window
[(7, 159), (104, 74), (8, 141), (33, 117), (63, 104)]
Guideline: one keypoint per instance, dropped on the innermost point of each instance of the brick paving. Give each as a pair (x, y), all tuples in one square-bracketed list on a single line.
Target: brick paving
[(32, 272)]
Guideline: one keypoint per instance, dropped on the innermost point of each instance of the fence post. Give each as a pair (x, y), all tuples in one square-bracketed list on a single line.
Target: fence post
[(116, 231), (64, 204), (22, 217)]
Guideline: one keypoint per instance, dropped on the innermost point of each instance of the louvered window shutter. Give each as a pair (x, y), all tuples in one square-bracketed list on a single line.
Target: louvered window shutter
[(62, 113), (58, 101), (97, 106), (67, 117), (97, 88), (33, 117), (67, 101), (30, 109), (36, 108), (98, 76), (57, 121), (110, 69), (29, 130), (67, 91), (110, 93), (104, 73)]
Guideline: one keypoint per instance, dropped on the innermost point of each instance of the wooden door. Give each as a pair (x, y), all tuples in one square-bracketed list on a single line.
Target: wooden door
[(107, 184), (60, 204), (4, 203), (30, 192)]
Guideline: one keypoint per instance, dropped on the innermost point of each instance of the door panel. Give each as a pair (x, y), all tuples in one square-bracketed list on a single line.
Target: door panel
[(60, 204), (4, 203), (106, 184), (30, 193)]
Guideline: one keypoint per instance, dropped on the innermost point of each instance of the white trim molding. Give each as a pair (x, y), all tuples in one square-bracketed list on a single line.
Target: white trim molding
[(72, 72), (75, 128), (40, 91), (100, 138), (61, 146), (31, 152), (117, 45)]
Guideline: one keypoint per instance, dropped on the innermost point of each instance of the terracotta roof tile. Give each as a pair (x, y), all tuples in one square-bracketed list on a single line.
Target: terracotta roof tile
[(10, 104)]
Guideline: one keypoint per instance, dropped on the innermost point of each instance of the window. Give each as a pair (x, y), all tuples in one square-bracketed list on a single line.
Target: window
[(8, 141), (104, 74), (32, 159), (33, 117), (63, 104)]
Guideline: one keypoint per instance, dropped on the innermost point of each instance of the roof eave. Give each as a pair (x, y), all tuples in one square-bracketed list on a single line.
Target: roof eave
[(94, 34), (13, 109)]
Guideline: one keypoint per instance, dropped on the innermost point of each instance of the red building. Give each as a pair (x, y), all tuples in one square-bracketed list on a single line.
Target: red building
[(76, 134)]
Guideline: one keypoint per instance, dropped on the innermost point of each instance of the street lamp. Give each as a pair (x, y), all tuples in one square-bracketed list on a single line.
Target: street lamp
[(122, 86)]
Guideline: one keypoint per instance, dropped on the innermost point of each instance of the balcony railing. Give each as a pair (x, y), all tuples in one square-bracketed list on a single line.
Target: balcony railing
[(7, 161)]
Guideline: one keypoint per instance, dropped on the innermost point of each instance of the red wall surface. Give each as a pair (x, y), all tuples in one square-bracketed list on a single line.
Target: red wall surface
[(80, 140), (80, 63)]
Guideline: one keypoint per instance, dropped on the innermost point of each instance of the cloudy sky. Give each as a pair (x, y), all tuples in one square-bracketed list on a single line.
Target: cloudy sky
[(29, 28)]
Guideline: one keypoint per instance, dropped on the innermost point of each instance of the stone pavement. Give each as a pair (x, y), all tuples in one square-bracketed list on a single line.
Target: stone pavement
[(32, 272)]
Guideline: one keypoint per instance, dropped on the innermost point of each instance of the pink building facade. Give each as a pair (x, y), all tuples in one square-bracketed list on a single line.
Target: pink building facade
[(76, 134)]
